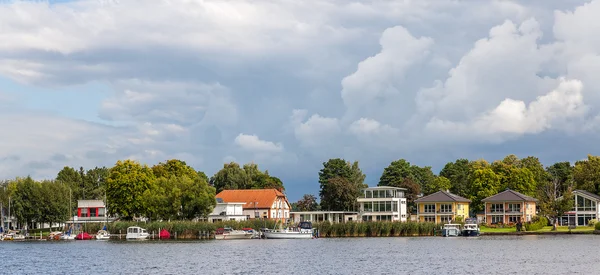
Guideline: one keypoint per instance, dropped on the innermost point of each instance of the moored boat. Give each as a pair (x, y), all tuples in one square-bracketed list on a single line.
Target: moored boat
[(470, 230), (164, 235), (13, 235), (54, 236), (451, 230), (67, 236), (228, 233), (136, 233), (304, 230), (83, 236), (103, 235)]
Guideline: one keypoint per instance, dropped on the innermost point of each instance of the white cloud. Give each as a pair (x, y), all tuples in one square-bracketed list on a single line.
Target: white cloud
[(317, 131), (254, 144)]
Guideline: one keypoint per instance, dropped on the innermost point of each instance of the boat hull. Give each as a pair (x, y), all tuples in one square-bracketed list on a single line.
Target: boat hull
[(450, 233), (287, 235), (470, 233), (136, 237), (234, 236)]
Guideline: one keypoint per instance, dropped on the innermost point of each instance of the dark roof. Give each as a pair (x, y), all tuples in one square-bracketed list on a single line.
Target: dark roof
[(509, 195), (442, 196), (589, 194)]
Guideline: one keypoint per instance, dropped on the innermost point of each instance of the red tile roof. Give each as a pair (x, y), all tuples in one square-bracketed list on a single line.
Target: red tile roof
[(264, 198)]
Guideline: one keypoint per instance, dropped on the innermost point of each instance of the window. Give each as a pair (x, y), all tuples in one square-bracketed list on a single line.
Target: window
[(389, 193), (247, 217), (514, 219), (367, 206), (403, 202), (375, 194), (583, 219), (497, 207), (84, 212), (403, 215), (369, 194), (395, 209), (459, 207), (93, 212), (445, 208), (514, 207), (584, 204), (429, 218), (101, 212), (497, 219), (429, 208)]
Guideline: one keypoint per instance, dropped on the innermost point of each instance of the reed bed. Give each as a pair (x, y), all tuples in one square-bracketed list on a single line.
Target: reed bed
[(375, 229)]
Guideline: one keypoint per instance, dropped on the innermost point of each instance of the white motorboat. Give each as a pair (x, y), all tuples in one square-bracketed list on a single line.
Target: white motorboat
[(228, 233), (303, 231), (136, 233), (451, 230), (470, 230), (103, 235), (13, 236)]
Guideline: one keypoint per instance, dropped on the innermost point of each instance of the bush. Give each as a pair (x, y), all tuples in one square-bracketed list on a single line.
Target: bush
[(592, 222), (536, 223), (374, 229), (597, 226)]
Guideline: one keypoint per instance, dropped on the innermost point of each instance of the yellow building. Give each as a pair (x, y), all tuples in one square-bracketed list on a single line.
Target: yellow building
[(442, 207)]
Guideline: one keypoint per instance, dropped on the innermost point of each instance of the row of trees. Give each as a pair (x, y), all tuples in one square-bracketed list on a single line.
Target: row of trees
[(341, 181), (166, 191)]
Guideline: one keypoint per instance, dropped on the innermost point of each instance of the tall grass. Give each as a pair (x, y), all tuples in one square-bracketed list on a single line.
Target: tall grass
[(375, 229)]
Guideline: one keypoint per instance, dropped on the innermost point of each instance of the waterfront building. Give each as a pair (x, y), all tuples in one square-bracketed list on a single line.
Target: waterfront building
[(90, 211), (382, 203), (320, 216), (259, 203), (586, 206), (509, 206), (442, 207), (227, 211)]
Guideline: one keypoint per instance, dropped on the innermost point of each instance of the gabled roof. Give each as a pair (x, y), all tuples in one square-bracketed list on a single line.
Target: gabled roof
[(589, 194), (442, 196), (264, 198), (509, 195)]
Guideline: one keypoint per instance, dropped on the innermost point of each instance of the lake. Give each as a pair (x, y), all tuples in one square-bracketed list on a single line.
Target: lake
[(560, 254)]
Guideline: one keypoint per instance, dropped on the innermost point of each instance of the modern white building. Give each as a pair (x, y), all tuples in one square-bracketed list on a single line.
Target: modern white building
[(227, 211), (321, 216), (382, 203), (586, 207)]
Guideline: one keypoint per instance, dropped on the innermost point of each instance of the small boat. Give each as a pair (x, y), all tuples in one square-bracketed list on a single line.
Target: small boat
[(83, 236), (13, 235), (228, 233), (136, 233), (102, 235), (67, 236), (164, 235), (451, 230), (470, 230), (54, 236), (304, 230)]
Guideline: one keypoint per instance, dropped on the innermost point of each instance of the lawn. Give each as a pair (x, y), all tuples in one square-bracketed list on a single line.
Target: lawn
[(485, 229)]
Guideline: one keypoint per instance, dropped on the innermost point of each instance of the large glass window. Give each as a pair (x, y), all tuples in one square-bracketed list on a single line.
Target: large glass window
[(395, 205), (429, 218), (584, 204), (429, 208), (497, 207), (514, 207), (514, 219), (369, 194), (375, 193), (84, 212), (367, 206), (93, 212), (445, 208), (583, 219), (389, 193), (101, 212)]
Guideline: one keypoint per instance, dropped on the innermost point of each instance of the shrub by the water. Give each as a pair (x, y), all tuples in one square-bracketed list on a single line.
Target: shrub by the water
[(374, 229), (597, 226), (536, 223)]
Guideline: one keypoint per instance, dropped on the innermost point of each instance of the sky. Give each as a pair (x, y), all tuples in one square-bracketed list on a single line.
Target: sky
[(291, 84)]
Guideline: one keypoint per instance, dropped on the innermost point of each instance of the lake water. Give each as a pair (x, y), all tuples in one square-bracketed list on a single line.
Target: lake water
[(563, 254)]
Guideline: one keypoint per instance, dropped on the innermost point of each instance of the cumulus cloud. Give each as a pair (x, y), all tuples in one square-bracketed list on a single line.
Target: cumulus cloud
[(370, 80), (254, 144)]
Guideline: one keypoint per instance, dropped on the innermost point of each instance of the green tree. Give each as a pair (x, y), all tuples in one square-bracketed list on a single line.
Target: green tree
[(339, 194), (561, 172), (586, 174), (54, 203), (307, 203), (26, 201), (231, 177), (126, 184), (395, 173), (483, 183), (345, 175), (533, 164), (522, 180), (458, 174), (554, 202), (439, 183)]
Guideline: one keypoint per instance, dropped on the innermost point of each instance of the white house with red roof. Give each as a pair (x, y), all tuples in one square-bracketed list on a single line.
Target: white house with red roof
[(259, 203)]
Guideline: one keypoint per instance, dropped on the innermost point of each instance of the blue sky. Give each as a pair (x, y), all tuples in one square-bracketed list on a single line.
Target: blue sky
[(289, 85)]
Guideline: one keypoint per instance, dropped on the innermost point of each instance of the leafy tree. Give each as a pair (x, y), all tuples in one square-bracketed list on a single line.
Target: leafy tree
[(554, 201), (561, 172), (231, 177), (439, 183), (334, 170), (307, 203), (26, 201), (533, 164), (54, 203), (586, 174), (396, 173), (521, 180), (126, 184), (483, 183), (423, 176), (458, 174), (413, 190), (339, 194)]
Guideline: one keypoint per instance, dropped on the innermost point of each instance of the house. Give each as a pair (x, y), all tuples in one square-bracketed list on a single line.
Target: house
[(259, 203), (382, 203), (509, 206), (227, 211), (442, 207), (586, 206), (91, 211), (320, 216)]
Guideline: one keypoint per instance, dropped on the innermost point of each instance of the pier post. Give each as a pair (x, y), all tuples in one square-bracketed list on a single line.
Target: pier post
[(175, 235), (119, 234)]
